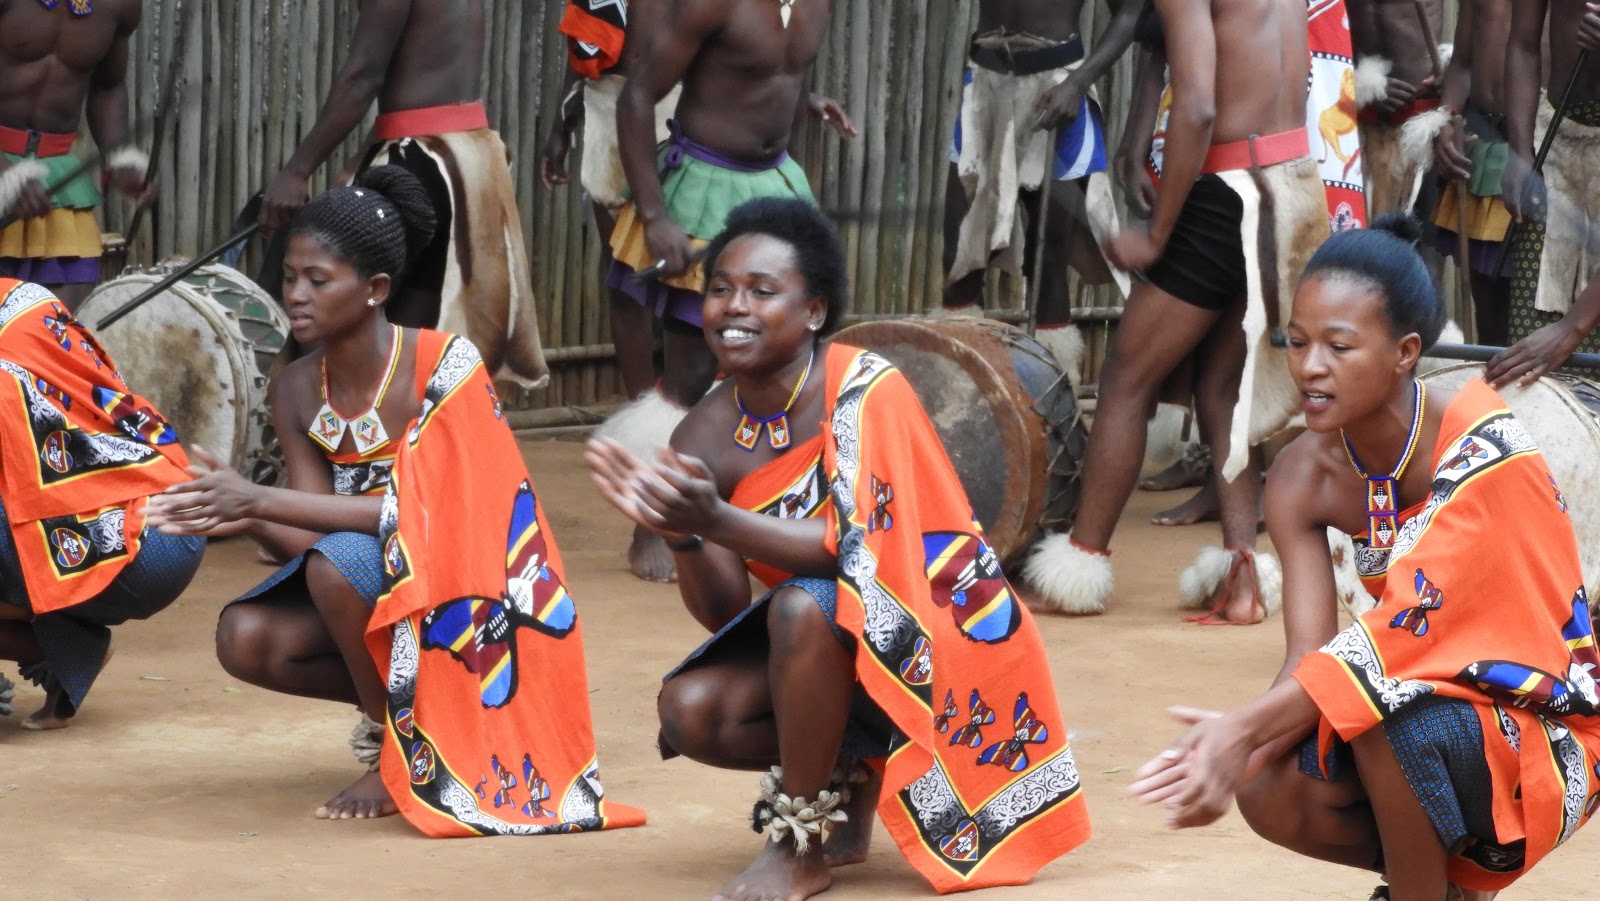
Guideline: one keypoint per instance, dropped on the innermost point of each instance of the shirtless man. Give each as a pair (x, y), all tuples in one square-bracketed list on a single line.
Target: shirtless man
[(420, 60), (1473, 157), (1239, 71), (743, 69), (1029, 53), (1396, 86), (56, 61), (1557, 248)]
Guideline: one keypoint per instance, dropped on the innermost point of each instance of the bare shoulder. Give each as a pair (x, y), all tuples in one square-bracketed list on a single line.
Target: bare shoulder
[(709, 417), (1296, 482), (297, 384), (128, 13)]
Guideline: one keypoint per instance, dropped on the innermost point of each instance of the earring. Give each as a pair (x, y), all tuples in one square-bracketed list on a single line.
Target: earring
[(372, 301), (814, 326)]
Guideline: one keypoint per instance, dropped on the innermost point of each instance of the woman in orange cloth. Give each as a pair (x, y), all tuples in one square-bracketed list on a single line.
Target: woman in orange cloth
[(1448, 738), (79, 452), (431, 597), (888, 633)]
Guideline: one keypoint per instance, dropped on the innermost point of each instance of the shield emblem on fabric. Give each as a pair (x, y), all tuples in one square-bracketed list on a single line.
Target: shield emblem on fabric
[(962, 845), (964, 575), (71, 549), (422, 763), (54, 453)]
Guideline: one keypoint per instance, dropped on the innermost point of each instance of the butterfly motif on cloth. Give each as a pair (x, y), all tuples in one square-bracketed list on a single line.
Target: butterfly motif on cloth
[(58, 321), (507, 782), (882, 494), (1415, 619), (1561, 499), (481, 632), (978, 716), (1469, 451), (1012, 753), (538, 789), (941, 723)]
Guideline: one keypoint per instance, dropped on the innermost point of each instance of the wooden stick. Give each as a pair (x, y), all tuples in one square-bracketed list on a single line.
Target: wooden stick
[(1544, 150)]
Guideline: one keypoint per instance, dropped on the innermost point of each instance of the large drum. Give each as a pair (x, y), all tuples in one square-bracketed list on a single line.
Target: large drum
[(1563, 416), (201, 352), (1004, 411)]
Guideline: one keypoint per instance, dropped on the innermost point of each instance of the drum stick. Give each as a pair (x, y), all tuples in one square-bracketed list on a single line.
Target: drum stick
[(56, 187), (1544, 151), (1430, 37), (178, 275), (1463, 244), (660, 268), (1035, 279), (169, 93)]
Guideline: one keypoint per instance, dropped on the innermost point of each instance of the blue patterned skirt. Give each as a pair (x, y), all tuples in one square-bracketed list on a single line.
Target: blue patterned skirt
[(75, 640), (1438, 743), (356, 555), (869, 734)]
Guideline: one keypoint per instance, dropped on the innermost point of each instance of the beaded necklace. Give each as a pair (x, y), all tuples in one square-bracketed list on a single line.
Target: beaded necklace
[(1383, 522), (329, 426), (746, 433), (784, 9)]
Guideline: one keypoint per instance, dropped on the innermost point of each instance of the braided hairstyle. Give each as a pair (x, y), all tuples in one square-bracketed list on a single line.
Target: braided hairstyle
[(380, 224)]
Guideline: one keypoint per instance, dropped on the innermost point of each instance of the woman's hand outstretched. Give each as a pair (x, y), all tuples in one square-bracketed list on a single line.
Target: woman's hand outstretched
[(218, 502)]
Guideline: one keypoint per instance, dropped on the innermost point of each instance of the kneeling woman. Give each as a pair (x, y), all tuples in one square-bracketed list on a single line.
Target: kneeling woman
[(78, 455), (425, 585), (889, 632), (1449, 737)]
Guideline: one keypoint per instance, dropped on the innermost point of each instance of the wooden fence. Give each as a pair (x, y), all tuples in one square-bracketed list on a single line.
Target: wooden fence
[(254, 74)]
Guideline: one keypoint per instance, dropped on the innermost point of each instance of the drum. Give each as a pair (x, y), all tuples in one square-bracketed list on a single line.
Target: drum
[(1004, 411), (1563, 416), (113, 255), (200, 352)]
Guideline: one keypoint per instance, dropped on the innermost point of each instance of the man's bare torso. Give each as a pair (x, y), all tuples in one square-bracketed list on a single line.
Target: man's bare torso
[(1565, 16), (1491, 29), (1054, 19), (1391, 29), (439, 60), (48, 57), (741, 91), (1262, 63)]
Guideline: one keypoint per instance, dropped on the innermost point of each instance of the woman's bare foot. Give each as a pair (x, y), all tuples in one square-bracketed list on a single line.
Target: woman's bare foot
[(849, 841), (649, 558), (779, 874), (53, 715), (1189, 471), (365, 799)]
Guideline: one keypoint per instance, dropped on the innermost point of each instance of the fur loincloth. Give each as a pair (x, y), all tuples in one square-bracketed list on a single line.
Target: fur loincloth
[(1285, 221), (487, 293), (1001, 154), (1396, 158), (600, 169), (1571, 250)]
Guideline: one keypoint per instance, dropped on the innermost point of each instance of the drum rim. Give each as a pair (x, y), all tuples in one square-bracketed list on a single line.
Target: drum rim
[(248, 394), (1590, 418), (1017, 518)]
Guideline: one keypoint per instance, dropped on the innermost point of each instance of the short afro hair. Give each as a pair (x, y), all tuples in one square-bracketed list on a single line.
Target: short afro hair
[(818, 252)]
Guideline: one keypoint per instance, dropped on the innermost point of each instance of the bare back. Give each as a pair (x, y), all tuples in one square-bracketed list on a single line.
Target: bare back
[(1262, 66), (1393, 30), (1057, 20), (743, 86), (1565, 17), (49, 59), (439, 60)]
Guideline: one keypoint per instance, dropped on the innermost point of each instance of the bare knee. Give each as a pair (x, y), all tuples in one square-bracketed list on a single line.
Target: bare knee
[(245, 642), (794, 618), (691, 715), (1274, 803)]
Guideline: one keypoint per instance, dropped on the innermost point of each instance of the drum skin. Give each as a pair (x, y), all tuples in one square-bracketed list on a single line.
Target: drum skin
[(1004, 412), (1563, 416), (187, 351)]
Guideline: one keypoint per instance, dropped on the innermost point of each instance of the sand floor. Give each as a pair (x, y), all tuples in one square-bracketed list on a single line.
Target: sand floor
[(178, 782)]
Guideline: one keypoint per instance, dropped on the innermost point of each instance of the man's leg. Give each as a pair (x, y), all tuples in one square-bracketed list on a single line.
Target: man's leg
[(1217, 392), (968, 291), (1156, 332), (1491, 302), (632, 326)]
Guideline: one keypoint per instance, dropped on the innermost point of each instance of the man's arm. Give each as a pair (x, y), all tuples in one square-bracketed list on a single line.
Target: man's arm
[(1060, 104), (1451, 160), (107, 105), (377, 34), (1149, 80), (685, 30), (1522, 98), (553, 159), (1193, 63)]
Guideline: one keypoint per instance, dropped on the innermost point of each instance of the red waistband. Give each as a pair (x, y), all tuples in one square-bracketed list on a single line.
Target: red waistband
[(1257, 151), (1374, 116), (431, 120), (34, 143)]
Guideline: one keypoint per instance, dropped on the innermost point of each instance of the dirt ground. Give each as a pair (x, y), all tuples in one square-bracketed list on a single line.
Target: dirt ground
[(177, 782)]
